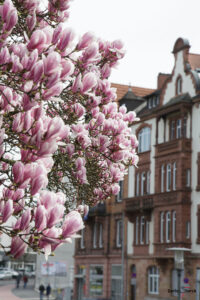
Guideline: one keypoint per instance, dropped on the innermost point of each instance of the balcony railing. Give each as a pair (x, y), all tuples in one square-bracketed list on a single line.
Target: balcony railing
[(139, 203), (176, 145)]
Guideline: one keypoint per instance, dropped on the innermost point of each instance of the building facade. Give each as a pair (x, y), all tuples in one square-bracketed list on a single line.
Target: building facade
[(101, 253), (123, 252), (163, 198)]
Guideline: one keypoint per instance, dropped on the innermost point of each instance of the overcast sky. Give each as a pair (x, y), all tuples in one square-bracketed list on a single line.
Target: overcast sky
[(148, 28)]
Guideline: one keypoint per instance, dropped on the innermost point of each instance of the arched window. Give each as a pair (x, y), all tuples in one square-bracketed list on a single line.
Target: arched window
[(144, 138), (179, 85), (153, 280)]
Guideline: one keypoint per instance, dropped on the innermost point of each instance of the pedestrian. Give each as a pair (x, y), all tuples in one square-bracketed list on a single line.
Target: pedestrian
[(25, 278), (18, 279), (48, 291), (41, 289)]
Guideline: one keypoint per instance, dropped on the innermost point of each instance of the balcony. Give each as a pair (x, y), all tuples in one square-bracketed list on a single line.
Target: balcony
[(98, 210), (172, 197), (139, 204), (174, 146)]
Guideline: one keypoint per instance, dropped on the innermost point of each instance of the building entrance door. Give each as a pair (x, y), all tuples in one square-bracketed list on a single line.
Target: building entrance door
[(80, 283), (116, 289)]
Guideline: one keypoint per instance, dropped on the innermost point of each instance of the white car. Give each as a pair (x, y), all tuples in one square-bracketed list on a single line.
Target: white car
[(5, 274)]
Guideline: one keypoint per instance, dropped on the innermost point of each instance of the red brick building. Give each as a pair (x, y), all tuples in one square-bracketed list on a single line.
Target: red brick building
[(124, 245)]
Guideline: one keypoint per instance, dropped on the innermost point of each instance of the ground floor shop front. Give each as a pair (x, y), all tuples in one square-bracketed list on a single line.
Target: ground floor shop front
[(99, 278)]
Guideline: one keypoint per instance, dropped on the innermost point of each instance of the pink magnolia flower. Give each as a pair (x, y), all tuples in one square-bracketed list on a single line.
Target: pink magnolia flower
[(72, 224), (40, 218), (38, 183), (18, 247), (66, 37), (7, 210), (25, 220), (89, 81), (85, 40), (18, 171)]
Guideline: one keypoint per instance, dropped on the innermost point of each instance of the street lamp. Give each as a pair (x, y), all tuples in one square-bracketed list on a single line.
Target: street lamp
[(179, 264)]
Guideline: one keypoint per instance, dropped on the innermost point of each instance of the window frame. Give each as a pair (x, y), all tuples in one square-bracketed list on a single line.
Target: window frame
[(168, 177), (136, 230), (137, 190), (178, 128), (82, 239), (100, 235), (174, 176), (162, 221), (95, 236), (162, 178), (142, 229), (119, 233), (172, 130), (179, 85), (148, 182), (119, 196), (144, 138), (143, 178), (174, 226), (168, 226), (153, 280)]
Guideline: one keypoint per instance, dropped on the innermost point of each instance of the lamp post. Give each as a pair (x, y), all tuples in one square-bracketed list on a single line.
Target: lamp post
[(179, 264)]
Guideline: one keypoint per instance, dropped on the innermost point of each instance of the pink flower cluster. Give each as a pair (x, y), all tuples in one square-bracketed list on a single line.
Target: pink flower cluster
[(63, 139)]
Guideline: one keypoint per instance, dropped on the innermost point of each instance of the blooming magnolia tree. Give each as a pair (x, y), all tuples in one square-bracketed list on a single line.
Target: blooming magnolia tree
[(63, 141)]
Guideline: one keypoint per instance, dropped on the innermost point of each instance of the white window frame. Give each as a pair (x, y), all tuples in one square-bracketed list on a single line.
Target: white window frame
[(119, 196), (188, 177), (142, 227), (185, 127), (162, 178), (178, 129), (162, 220), (95, 236), (100, 235), (153, 280), (174, 176), (174, 226), (136, 230), (143, 178), (144, 138), (148, 182), (179, 86), (168, 226), (119, 233), (137, 184), (147, 232), (188, 229), (172, 130), (168, 178), (82, 241)]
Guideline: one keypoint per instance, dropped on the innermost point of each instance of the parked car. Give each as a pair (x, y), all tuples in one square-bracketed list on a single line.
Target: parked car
[(5, 274), (14, 273)]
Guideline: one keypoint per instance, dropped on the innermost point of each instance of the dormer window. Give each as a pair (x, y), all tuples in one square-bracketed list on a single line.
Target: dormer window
[(179, 86)]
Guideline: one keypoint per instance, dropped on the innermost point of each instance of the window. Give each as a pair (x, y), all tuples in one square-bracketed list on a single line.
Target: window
[(119, 234), (147, 232), (136, 230), (187, 229), (100, 235), (188, 174), (143, 178), (119, 197), (137, 184), (96, 280), (153, 280), (172, 130), (142, 223), (178, 129), (148, 182), (116, 281), (162, 227), (185, 127), (174, 176), (144, 137), (168, 225), (154, 101), (179, 86), (162, 178), (150, 103), (95, 235), (82, 241), (174, 226), (168, 178)]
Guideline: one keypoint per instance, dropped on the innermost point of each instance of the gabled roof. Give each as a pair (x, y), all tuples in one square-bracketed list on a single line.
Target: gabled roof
[(138, 91)]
